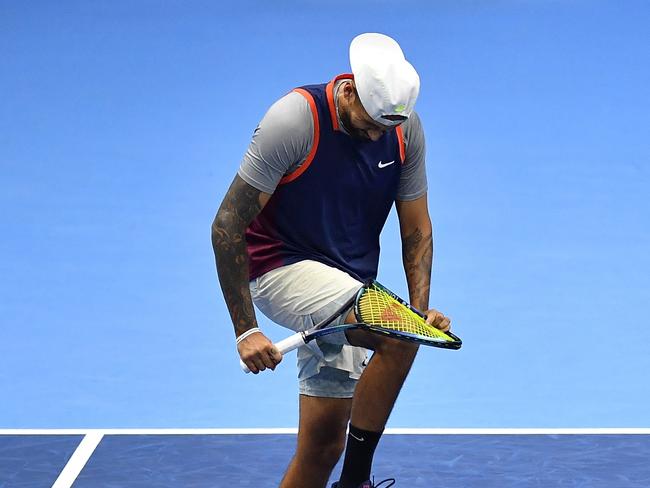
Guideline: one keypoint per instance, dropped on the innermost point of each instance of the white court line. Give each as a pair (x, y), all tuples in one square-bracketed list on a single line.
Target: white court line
[(78, 460), (292, 430)]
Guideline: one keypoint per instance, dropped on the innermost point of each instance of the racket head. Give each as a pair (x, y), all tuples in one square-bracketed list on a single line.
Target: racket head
[(383, 312)]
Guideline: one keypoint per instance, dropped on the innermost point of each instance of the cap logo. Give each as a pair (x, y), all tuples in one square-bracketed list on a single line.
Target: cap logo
[(400, 108)]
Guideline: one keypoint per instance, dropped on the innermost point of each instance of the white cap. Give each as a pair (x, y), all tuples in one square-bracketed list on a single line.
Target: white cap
[(386, 82)]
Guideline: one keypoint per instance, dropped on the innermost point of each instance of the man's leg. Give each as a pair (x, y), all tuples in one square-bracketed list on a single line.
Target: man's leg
[(298, 296), (382, 379), (373, 401), (321, 440)]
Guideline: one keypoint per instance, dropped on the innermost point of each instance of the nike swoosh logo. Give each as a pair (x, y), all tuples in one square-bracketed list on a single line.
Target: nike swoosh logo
[(383, 165), (357, 438)]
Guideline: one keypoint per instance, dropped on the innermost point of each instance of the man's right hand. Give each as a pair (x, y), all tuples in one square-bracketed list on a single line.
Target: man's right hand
[(258, 353)]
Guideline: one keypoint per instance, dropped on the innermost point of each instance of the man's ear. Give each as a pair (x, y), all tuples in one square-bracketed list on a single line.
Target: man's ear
[(349, 91)]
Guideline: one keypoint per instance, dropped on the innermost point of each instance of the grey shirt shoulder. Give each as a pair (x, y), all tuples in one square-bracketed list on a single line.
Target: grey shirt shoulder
[(413, 182), (285, 135)]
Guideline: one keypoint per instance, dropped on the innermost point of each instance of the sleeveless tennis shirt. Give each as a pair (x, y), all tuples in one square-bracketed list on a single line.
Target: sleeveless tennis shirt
[(333, 207)]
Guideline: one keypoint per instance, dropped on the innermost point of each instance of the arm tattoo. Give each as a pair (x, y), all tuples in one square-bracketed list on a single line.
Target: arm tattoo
[(417, 256), (239, 207)]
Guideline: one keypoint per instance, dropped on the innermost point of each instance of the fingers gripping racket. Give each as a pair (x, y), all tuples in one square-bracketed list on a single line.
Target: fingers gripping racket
[(377, 310)]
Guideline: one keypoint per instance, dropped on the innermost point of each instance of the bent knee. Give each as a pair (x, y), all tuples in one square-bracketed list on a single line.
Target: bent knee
[(401, 350)]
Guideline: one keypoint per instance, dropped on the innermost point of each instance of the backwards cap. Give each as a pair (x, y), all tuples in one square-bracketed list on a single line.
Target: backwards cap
[(386, 82)]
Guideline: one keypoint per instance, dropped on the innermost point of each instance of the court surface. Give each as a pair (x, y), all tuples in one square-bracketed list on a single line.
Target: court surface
[(517, 458)]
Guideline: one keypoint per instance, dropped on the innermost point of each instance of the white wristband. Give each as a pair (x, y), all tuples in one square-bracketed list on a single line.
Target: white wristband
[(247, 333)]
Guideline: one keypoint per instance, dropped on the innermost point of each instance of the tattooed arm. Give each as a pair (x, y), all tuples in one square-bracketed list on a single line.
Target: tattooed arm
[(239, 207), (417, 248), (417, 255)]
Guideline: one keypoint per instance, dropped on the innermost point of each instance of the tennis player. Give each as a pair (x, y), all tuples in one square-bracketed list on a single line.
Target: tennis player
[(298, 232)]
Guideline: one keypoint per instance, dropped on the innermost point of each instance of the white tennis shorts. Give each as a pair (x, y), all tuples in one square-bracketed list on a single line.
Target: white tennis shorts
[(298, 296)]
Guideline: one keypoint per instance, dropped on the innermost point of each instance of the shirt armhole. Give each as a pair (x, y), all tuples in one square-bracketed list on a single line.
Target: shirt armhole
[(314, 147)]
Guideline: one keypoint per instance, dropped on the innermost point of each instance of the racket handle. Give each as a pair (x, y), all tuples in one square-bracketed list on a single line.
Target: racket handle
[(290, 343), (243, 367), (284, 346)]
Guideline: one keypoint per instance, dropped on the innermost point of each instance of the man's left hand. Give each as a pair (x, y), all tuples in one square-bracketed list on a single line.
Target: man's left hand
[(438, 320)]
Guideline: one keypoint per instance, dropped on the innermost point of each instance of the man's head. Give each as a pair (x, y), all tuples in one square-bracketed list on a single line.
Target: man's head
[(386, 84)]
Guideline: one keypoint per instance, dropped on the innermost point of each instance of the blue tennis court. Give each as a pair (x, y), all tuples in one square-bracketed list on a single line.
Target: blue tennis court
[(460, 460), (453, 460)]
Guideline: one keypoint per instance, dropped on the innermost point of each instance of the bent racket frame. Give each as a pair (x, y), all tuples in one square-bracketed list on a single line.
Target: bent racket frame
[(444, 340), (399, 320)]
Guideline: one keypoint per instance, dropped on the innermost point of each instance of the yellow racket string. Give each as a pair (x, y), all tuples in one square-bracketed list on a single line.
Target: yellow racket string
[(378, 308)]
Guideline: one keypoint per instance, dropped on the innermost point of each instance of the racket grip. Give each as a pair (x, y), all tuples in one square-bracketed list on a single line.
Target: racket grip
[(284, 346), (290, 343), (243, 366)]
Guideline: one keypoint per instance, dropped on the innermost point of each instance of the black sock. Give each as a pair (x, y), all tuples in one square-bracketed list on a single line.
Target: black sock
[(359, 451)]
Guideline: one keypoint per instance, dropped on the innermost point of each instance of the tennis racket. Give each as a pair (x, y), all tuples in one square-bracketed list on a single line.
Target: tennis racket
[(377, 310)]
